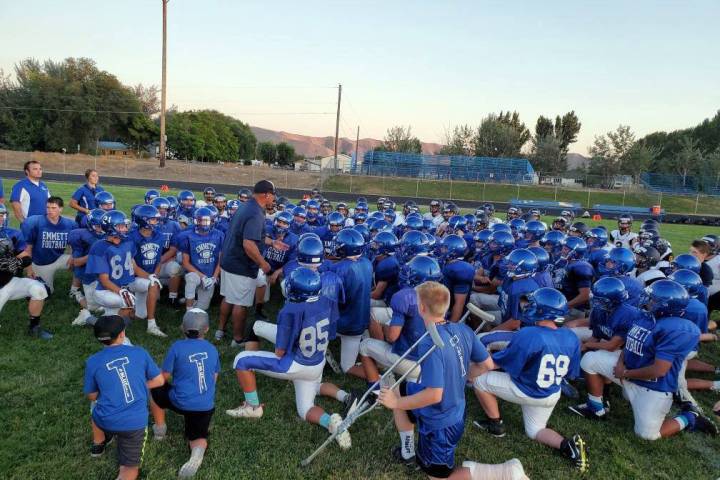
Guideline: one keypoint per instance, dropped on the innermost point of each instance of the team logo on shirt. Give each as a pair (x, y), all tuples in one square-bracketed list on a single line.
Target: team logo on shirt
[(205, 252), (119, 366), (149, 252), (54, 240), (636, 339)]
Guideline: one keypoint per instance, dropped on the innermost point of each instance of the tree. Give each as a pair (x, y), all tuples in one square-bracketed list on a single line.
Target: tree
[(400, 139), (552, 140), (267, 152), (148, 98), (500, 135), (567, 129), (543, 128), (459, 142), (689, 159), (285, 153), (637, 160), (204, 135), (609, 150), (548, 156)]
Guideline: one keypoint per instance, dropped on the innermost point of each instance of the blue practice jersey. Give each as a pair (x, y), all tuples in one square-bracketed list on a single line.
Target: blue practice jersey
[(596, 257), (204, 250), (317, 222), (635, 289), (697, 313), (193, 364), (543, 279), (327, 237), (277, 258), (511, 292), (168, 228), (458, 276), (332, 290), (293, 264), (356, 277), (447, 368), (538, 358), (118, 374), (48, 240), (148, 250), (578, 274), (669, 339), (80, 241), (405, 314), (298, 229), (114, 260), (606, 325), (388, 270), (188, 212), (303, 330)]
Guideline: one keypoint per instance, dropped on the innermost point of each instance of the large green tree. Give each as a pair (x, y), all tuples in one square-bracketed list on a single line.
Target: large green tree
[(552, 140), (208, 136), (285, 153), (608, 152), (267, 152), (400, 139), (502, 135)]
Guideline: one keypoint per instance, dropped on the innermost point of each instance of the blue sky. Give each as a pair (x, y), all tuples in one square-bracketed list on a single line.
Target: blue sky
[(429, 64)]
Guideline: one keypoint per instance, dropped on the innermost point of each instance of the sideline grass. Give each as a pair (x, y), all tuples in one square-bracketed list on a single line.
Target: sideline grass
[(47, 432)]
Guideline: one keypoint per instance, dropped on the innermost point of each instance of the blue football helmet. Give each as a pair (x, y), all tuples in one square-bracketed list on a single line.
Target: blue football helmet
[(471, 221), (618, 261), (517, 226), (146, 216), (453, 247), (186, 198), (389, 216), (521, 263), (232, 206), (552, 241), (542, 256), (665, 298), (151, 195), (281, 223), (608, 293), (457, 222), (596, 237), (501, 243), (299, 212), (349, 243), (173, 206), (105, 200), (534, 230), (94, 221), (115, 224), (360, 217), (419, 270), (414, 222), (687, 262), (384, 243), (163, 207), (573, 248), (500, 227), (544, 304), (364, 231), (310, 250), (335, 221), (690, 280), (377, 215), (482, 238), (361, 207), (203, 219), (380, 226), (303, 285), (411, 244)]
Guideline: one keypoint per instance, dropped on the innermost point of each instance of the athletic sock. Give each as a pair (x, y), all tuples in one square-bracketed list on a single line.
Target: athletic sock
[(596, 404), (151, 323), (325, 420), (341, 395), (252, 398), (172, 295), (715, 386), (686, 420), (197, 453), (407, 444), (34, 321)]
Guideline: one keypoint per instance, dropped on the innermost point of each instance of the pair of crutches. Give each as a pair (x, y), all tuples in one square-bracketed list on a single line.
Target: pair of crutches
[(362, 407)]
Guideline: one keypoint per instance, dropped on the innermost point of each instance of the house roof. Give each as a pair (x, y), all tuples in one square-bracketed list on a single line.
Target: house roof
[(108, 145)]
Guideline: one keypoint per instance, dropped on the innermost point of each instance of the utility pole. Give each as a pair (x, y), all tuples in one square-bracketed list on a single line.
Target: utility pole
[(357, 142), (163, 97), (337, 126)]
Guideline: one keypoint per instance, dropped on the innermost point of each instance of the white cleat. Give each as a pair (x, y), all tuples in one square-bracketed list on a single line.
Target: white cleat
[(344, 438), (190, 468), (81, 319), (155, 330), (246, 411)]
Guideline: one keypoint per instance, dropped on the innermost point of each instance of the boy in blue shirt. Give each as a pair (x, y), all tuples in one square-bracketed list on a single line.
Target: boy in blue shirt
[(201, 250), (437, 401), (458, 274), (194, 365), (117, 379)]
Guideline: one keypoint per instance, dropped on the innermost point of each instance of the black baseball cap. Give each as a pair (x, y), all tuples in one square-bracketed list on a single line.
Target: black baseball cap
[(264, 186), (108, 327)]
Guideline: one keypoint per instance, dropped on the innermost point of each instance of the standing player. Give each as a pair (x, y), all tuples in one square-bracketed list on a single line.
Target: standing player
[(535, 362), (83, 200), (201, 251), (624, 236), (13, 258), (386, 269)]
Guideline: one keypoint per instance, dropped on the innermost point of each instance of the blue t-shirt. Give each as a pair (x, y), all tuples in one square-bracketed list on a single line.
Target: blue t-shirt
[(543, 279), (697, 313), (204, 250), (388, 270), (356, 277), (458, 277), (114, 260), (606, 325), (538, 358), (669, 339), (148, 250), (578, 274), (405, 314), (297, 228), (332, 290), (247, 224), (80, 241), (193, 363), (168, 228), (635, 289), (304, 329), (327, 237), (277, 258), (32, 197), (119, 374), (447, 368), (85, 197), (511, 292), (48, 239)]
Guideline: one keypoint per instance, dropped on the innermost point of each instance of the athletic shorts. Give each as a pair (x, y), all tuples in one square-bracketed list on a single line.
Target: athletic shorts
[(237, 289), (435, 452), (197, 424), (130, 446)]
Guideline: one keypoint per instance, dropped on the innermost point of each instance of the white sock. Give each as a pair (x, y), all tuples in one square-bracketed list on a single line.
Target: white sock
[(341, 395), (172, 295), (197, 453), (151, 323), (407, 444), (715, 386), (510, 470)]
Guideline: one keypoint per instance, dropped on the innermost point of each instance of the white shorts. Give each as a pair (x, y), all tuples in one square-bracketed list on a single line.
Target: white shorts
[(649, 407), (306, 379), (381, 315), (536, 411), (382, 353), (112, 302), (583, 333), (170, 269), (194, 289), (18, 288), (237, 289), (266, 330), (349, 350), (486, 301), (683, 391), (377, 303), (47, 272), (89, 289)]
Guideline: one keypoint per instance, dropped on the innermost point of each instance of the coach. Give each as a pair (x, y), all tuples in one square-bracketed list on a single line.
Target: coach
[(29, 196), (83, 200), (241, 259)]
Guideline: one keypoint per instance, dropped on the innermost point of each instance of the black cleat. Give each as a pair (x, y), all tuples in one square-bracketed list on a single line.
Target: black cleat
[(98, 449), (569, 390), (702, 423), (584, 411), (576, 450), (410, 463), (38, 332), (352, 397), (496, 428)]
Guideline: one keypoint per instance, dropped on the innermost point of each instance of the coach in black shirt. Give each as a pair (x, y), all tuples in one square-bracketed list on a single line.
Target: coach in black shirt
[(242, 261)]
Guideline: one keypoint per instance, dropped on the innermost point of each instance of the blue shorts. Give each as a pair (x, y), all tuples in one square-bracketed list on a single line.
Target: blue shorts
[(436, 449)]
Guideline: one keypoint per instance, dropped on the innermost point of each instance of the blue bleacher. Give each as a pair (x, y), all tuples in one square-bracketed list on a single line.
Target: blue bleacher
[(547, 206), (617, 210), (670, 184)]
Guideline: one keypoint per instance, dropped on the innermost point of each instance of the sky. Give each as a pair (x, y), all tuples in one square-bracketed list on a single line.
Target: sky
[(650, 64)]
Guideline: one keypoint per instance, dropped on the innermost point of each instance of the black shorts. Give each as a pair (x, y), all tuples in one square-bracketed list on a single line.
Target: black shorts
[(197, 424), (130, 446)]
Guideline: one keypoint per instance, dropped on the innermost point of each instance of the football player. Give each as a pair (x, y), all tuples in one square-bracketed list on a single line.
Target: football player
[(624, 236), (202, 251), (458, 274), (80, 241)]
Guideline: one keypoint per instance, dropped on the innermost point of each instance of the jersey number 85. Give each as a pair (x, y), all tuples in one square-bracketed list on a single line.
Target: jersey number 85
[(314, 339)]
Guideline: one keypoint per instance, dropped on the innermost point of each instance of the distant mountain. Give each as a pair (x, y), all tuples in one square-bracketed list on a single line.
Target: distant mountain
[(323, 146), (575, 161)]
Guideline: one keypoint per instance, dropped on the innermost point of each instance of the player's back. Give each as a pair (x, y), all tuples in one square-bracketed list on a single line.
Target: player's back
[(303, 329), (356, 276), (404, 306)]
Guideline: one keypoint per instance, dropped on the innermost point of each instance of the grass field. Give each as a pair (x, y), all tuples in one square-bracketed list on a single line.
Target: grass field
[(47, 419)]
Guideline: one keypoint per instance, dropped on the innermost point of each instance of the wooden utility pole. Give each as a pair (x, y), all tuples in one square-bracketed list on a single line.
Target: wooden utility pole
[(357, 142), (337, 126), (163, 96)]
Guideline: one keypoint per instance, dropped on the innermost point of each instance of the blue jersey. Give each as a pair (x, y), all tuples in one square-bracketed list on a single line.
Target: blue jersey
[(148, 250), (80, 241), (317, 222), (458, 276), (277, 258), (298, 229), (290, 266), (405, 314), (635, 289), (543, 279), (538, 358), (118, 374), (188, 212), (447, 368), (114, 260), (193, 364), (31, 196), (303, 330), (168, 228), (697, 313), (669, 339), (48, 240), (387, 270), (606, 325), (223, 224), (204, 250), (328, 239), (511, 292), (356, 277), (85, 197), (332, 290), (16, 238), (578, 274), (596, 257)]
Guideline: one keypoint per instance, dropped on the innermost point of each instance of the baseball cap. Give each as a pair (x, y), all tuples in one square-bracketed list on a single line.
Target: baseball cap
[(195, 320), (108, 327), (264, 186)]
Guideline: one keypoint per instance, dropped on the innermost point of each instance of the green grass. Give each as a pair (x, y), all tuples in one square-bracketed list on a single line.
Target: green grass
[(46, 417), (395, 186)]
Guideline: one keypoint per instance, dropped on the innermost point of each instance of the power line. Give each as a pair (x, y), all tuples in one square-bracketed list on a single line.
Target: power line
[(73, 110)]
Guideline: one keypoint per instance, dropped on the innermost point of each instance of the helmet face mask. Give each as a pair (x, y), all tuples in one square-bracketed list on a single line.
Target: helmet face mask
[(544, 304)]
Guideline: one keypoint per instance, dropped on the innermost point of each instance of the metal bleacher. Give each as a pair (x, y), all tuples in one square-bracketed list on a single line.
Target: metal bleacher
[(615, 211), (546, 206), (670, 184)]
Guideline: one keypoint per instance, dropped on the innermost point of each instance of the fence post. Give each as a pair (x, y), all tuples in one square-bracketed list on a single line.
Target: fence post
[(556, 192), (450, 187), (697, 200), (252, 169), (64, 161), (351, 183), (518, 192), (95, 163), (660, 200), (624, 191), (417, 187), (126, 168), (588, 204), (483, 193), (383, 184), (286, 179)]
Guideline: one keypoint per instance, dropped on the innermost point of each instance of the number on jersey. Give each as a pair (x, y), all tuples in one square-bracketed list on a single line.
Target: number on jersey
[(315, 338), (552, 370), (117, 266)]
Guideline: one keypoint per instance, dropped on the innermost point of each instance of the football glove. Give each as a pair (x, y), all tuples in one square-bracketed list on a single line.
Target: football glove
[(128, 298), (154, 280), (208, 282)]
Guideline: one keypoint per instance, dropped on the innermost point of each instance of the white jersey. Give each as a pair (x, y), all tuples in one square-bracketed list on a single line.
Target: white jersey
[(714, 264), (649, 276), (493, 221), (622, 240), (200, 203), (399, 220), (436, 219)]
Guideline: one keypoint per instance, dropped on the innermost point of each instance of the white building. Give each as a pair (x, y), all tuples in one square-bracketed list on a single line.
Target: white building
[(328, 163)]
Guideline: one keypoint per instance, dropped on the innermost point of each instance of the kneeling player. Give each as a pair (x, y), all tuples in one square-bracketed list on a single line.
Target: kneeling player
[(193, 364), (201, 251), (303, 327), (437, 401), (535, 362)]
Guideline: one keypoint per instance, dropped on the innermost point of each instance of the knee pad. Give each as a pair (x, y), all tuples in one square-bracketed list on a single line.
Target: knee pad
[(532, 431), (174, 269), (38, 290), (364, 347), (586, 362)]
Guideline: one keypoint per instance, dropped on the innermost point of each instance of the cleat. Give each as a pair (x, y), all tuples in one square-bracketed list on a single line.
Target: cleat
[(576, 450), (155, 330), (98, 449), (702, 423), (159, 432), (219, 335), (81, 319), (38, 332), (494, 428), (246, 411), (190, 468), (332, 362), (585, 411), (350, 403), (342, 439), (410, 463), (568, 390)]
